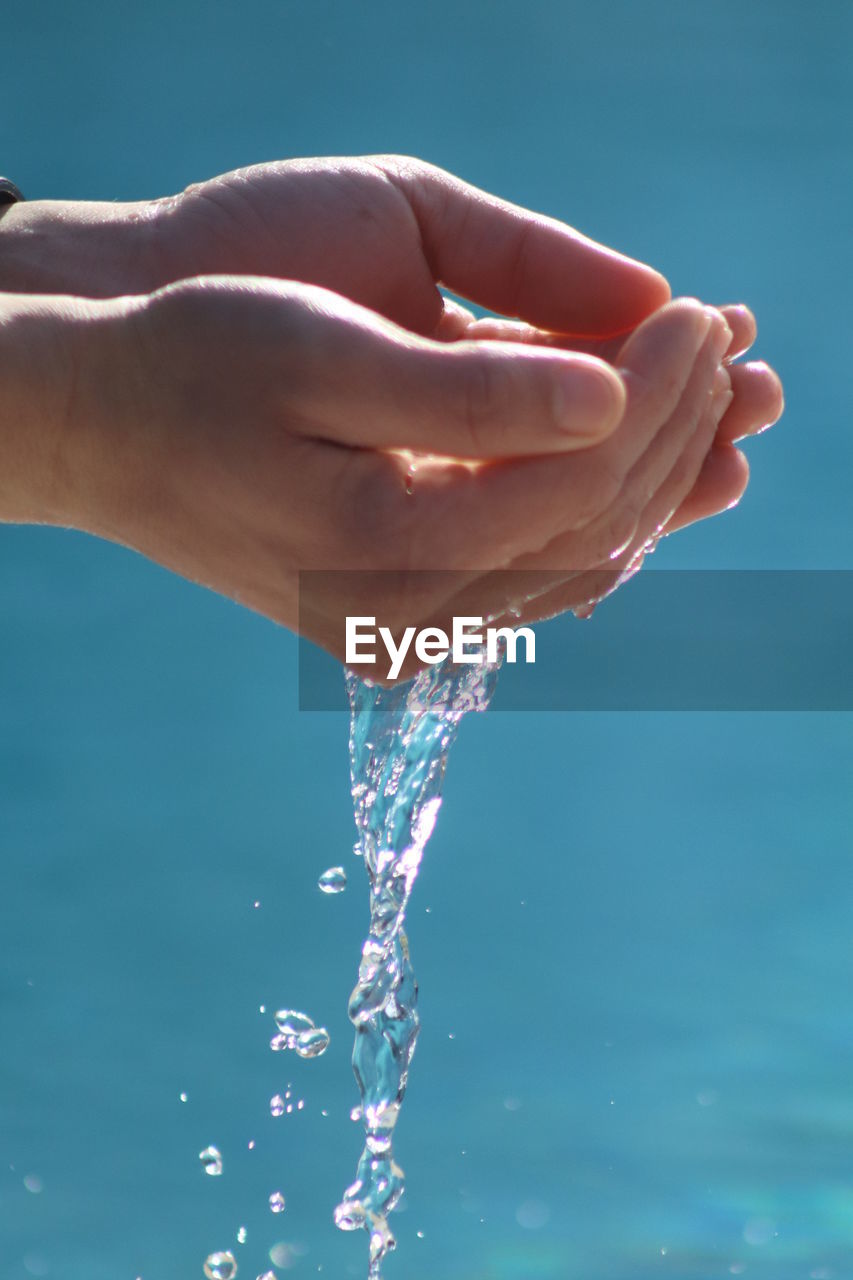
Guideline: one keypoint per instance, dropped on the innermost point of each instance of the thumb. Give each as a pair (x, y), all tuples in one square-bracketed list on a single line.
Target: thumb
[(389, 389)]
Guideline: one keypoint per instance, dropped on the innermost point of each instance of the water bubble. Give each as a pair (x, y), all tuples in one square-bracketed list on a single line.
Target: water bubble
[(242, 1235), (262, 1008), (220, 1266), (707, 1097), (419, 1234), (277, 1105), (289, 1108), (211, 1161), (300, 1104), (324, 1113), (279, 1043), (256, 904), (252, 1144), (33, 1184), (311, 1044), (183, 1097), (333, 881), (292, 1023), (267, 1275), (277, 1202)]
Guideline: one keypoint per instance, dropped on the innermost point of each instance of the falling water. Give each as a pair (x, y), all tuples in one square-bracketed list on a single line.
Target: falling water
[(399, 742)]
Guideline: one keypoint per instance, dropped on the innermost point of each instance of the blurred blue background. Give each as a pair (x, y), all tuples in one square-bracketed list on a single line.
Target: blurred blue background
[(636, 928)]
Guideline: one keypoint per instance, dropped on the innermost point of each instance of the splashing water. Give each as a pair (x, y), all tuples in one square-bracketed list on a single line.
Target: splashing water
[(399, 743)]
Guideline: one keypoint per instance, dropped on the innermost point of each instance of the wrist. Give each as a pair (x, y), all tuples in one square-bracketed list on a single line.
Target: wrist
[(93, 249), (58, 377)]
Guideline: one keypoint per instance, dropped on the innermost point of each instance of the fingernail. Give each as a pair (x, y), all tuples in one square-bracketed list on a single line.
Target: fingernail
[(587, 401), (721, 393), (721, 333)]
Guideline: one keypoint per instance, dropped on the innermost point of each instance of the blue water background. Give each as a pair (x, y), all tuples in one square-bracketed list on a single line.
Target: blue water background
[(636, 928)]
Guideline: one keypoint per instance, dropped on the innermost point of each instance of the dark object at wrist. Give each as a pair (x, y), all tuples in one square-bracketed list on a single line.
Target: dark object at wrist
[(9, 193)]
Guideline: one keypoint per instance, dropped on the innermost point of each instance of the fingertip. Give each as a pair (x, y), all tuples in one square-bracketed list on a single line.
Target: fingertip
[(589, 399)]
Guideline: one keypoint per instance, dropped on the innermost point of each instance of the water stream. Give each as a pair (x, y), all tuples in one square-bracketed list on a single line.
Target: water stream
[(399, 743)]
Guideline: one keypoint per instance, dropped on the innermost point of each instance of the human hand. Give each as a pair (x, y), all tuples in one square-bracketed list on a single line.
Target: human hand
[(241, 430), (380, 230)]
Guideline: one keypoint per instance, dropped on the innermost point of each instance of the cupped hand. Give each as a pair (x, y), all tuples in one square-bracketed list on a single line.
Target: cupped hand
[(240, 431)]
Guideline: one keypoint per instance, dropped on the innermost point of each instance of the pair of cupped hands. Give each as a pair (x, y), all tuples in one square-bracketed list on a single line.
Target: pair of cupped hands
[(277, 384)]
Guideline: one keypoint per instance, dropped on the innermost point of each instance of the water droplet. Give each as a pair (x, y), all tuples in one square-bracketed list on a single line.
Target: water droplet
[(276, 1105), (267, 1275), (262, 1008), (324, 1113), (252, 1144), (333, 881), (289, 1108), (211, 1161), (33, 1184), (277, 1202), (256, 904), (311, 1044), (183, 1097), (220, 1266), (419, 1234), (300, 1104), (350, 1215), (292, 1023), (242, 1235)]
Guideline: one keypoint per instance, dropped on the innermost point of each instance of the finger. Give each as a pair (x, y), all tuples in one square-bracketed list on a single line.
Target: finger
[(381, 387), (739, 318), (758, 401), (453, 322), (719, 487), (488, 518), (521, 263), (610, 543), (742, 323)]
